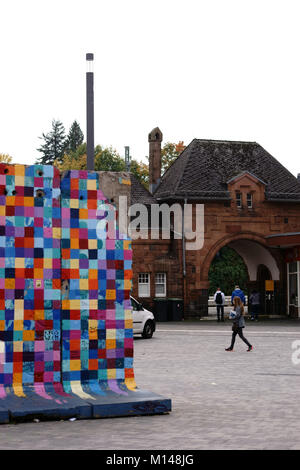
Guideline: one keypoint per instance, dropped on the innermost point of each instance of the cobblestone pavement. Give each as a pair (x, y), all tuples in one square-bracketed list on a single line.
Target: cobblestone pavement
[(220, 400)]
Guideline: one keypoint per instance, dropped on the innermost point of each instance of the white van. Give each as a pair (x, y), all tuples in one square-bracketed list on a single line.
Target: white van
[(143, 320)]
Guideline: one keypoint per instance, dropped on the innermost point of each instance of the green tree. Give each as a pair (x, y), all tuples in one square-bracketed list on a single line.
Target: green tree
[(141, 171), (226, 270), (74, 138), (54, 144)]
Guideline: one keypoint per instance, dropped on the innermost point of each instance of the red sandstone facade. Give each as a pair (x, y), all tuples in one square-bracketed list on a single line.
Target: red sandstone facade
[(246, 221)]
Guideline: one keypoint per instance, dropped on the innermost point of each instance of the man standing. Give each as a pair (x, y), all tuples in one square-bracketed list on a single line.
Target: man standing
[(219, 299), (238, 293)]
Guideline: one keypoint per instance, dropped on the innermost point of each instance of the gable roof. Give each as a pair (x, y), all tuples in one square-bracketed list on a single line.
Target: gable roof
[(139, 194), (204, 168)]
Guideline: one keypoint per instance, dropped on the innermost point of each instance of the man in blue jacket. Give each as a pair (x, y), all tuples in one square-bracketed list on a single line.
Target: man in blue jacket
[(238, 293)]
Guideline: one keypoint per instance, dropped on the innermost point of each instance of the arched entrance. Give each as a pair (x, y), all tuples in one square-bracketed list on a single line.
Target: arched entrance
[(259, 261)]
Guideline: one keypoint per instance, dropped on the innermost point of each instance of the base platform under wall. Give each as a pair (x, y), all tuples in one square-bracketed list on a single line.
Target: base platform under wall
[(33, 406)]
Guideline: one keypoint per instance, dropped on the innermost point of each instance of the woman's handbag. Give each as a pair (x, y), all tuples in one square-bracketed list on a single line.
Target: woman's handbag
[(235, 327)]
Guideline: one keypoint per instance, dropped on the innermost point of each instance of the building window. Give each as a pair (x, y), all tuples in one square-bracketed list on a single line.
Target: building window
[(249, 201), (144, 285), (293, 283), (160, 285), (239, 200)]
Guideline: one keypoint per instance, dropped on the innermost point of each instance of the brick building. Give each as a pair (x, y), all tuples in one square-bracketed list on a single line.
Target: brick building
[(251, 204)]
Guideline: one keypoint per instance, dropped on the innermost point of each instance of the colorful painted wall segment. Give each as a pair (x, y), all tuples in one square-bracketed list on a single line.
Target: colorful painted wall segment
[(66, 339)]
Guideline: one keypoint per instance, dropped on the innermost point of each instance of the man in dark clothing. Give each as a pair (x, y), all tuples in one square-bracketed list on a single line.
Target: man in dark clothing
[(219, 299)]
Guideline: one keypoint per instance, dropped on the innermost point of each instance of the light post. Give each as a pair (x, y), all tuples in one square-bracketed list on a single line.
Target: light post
[(90, 111)]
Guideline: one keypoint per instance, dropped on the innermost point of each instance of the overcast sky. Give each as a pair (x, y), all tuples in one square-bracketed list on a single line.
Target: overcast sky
[(210, 69)]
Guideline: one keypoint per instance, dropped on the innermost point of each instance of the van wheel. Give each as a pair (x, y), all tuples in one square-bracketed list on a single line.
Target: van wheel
[(148, 330)]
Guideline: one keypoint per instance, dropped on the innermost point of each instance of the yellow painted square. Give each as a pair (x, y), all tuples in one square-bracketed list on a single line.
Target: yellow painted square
[(2, 210), (84, 284), (91, 184), (18, 346), (19, 304), (92, 244), (75, 364), (128, 324), (74, 263), (111, 373), (74, 203), (47, 263), (110, 334), (93, 304), (19, 181), (18, 325), (75, 304), (56, 232), (2, 325), (127, 244), (19, 171), (20, 263), (127, 284)]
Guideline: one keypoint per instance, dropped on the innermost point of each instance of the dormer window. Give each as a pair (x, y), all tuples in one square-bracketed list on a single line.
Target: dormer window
[(249, 201), (239, 200)]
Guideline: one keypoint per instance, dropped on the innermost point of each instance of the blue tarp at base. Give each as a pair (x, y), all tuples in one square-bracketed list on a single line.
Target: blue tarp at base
[(33, 406)]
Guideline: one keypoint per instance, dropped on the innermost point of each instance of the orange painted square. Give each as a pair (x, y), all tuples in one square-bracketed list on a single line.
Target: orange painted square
[(74, 233), (2, 325), (93, 274), (37, 273), (38, 263), (74, 243), (28, 335), (66, 253), (110, 344), (74, 183), (128, 274), (28, 242), (83, 214), (28, 314), (93, 364), (19, 273), (93, 284), (74, 274), (18, 367), (39, 315), (17, 378), (75, 345), (9, 283), (92, 203), (28, 201)]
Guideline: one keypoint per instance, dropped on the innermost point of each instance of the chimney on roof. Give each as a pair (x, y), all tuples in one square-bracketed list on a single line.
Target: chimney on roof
[(154, 138)]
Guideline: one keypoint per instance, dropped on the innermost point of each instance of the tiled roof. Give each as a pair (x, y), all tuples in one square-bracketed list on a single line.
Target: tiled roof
[(139, 194), (204, 168)]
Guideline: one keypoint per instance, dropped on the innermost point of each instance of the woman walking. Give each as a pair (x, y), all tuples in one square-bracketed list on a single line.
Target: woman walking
[(238, 324)]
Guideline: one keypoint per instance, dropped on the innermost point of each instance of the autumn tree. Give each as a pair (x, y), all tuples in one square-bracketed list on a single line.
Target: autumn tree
[(169, 153), (5, 158)]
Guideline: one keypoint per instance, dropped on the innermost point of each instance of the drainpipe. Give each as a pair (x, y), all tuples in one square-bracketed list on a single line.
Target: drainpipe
[(183, 253)]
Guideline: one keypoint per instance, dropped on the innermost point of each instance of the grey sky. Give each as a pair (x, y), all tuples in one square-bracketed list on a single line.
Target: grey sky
[(211, 69)]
